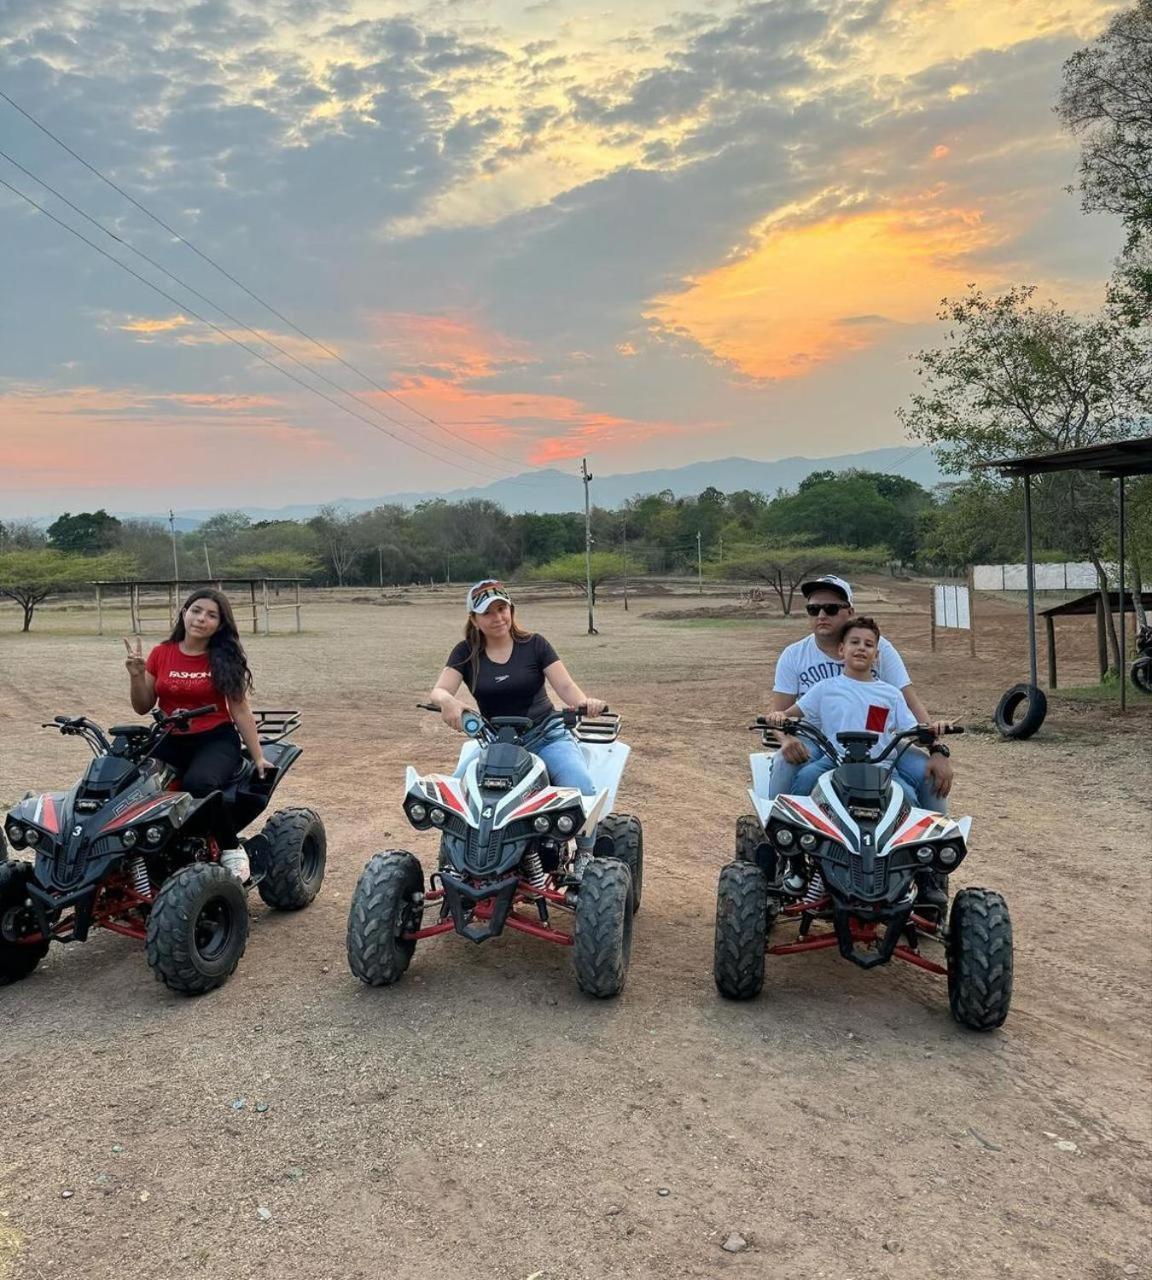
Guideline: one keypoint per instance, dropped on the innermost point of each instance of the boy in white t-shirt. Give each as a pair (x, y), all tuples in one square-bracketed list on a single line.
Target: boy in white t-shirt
[(854, 701)]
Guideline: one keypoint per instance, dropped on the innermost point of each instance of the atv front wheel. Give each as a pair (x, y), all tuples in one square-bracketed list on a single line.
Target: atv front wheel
[(628, 838), (197, 929), (742, 911), (295, 854), (384, 908), (749, 837), (17, 959), (979, 959), (602, 945), (1141, 674)]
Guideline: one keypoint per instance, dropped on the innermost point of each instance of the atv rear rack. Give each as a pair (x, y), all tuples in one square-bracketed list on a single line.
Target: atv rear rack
[(605, 728), (272, 726)]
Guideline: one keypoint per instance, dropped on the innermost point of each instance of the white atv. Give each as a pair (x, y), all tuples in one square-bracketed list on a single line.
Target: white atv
[(508, 858), (851, 858)]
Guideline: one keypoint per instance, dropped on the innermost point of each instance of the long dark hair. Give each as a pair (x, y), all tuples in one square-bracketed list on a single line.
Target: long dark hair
[(475, 639), (226, 657)]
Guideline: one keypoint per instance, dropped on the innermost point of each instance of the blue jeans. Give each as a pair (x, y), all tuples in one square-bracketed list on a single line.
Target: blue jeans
[(910, 773), (565, 764)]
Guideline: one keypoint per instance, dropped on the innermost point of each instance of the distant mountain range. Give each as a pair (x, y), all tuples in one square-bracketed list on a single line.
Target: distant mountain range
[(552, 490)]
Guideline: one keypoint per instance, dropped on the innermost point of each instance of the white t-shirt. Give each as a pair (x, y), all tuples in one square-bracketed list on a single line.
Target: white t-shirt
[(804, 664), (844, 705)]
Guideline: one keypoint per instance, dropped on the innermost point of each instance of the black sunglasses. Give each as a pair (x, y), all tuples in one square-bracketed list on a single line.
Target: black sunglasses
[(814, 610)]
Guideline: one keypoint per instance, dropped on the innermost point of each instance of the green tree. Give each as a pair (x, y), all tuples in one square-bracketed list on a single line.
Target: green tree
[(1106, 99), (1017, 378), (785, 568), (29, 577), (87, 533), (272, 564), (606, 565)]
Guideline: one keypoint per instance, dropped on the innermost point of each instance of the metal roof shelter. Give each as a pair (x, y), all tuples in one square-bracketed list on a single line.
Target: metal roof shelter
[(1084, 606), (1118, 459)]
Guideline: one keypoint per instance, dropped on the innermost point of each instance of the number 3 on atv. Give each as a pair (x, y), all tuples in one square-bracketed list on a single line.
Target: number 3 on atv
[(507, 857), (127, 850)]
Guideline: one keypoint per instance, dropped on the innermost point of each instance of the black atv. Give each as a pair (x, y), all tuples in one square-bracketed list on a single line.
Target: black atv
[(126, 850)]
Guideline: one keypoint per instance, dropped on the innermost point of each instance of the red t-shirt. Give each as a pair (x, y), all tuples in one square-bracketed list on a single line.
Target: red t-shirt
[(184, 682)]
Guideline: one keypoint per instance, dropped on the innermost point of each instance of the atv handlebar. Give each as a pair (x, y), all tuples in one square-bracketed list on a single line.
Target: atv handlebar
[(474, 725), (921, 734), (146, 736)]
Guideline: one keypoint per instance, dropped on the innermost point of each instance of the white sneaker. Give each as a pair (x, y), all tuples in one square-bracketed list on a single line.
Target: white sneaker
[(236, 861)]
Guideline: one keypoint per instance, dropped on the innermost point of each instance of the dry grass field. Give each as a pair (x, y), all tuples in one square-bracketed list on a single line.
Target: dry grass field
[(483, 1119)]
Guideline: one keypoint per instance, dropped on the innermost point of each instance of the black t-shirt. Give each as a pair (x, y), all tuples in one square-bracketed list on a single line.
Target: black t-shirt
[(512, 688)]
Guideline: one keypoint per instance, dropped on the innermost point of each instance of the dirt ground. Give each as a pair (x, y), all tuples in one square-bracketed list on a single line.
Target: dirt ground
[(484, 1119)]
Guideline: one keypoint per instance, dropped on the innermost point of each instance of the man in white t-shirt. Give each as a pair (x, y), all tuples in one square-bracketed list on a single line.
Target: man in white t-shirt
[(804, 664)]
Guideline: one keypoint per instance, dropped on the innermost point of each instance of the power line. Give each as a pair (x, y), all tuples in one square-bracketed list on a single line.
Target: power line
[(263, 337), (232, 337), (240, 285)]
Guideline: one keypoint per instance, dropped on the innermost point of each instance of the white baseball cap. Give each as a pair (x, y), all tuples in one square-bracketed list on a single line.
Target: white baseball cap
[(484, 594), (829, 582)]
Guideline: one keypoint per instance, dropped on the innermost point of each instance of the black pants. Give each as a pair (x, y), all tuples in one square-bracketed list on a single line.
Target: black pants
[(205, 761)]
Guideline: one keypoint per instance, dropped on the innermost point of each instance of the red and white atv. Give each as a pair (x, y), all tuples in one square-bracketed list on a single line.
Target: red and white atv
[(847, 859), (507, 857)]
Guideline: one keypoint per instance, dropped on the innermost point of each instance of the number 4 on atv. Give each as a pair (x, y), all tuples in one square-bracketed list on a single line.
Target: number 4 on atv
[(847, 859), (507, 858), (126, 850)]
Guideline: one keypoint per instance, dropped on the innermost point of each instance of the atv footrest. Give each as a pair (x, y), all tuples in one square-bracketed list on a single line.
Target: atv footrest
[(479, 912)]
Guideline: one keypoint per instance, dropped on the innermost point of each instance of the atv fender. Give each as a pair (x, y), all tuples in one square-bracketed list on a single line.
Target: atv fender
[(605, 761), (758, 792)]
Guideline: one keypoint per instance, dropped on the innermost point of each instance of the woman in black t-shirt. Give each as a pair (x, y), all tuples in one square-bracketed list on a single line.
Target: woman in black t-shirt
[(505, 668)]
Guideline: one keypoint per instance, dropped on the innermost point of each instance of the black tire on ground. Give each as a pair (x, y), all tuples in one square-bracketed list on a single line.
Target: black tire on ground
[(383, 908), (17, 959), (749, 837), (296, 855), (628, 837), (742, 925), (197, 929), (979, 959), (602, 945), (1142, 674), (1035, 707)]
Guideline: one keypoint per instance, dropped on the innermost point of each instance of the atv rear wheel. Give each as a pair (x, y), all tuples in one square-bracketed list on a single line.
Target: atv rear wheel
[(628, 838), (742, 923), (979, 959), (384, 908), (602, 945), (197, 929), (17, 959), (295, 854)]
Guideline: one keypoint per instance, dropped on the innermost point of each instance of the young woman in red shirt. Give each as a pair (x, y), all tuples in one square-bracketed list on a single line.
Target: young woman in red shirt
[(201, 662), (505, 668)]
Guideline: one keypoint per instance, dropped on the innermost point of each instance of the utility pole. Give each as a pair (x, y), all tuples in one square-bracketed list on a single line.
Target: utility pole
[(721, 548), (699, 566), (586, 476), (207, 562), (175, 557), (380, 557), (625, 559)]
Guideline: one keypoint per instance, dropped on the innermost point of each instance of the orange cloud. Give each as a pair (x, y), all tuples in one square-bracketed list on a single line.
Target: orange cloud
[(450, 346), (187, 332), (815, 292)]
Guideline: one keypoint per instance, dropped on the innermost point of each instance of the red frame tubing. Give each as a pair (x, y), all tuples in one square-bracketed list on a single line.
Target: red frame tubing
[(483, 911), (862, 931)]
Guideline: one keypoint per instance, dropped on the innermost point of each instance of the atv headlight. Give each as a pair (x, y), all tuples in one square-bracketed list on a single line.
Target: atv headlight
[(15, 834), (541, 824), (809, 841), (32, 836), (153, 835), (417, 812), (129, 838), (564, 823), (925, 853), (437, 816), (948, 854), (784, 837)]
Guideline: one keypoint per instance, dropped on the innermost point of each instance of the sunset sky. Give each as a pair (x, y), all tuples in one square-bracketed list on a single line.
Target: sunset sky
[(648, 233)]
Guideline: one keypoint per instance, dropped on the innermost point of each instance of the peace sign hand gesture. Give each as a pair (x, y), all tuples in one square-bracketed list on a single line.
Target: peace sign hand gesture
[(135, 660)]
